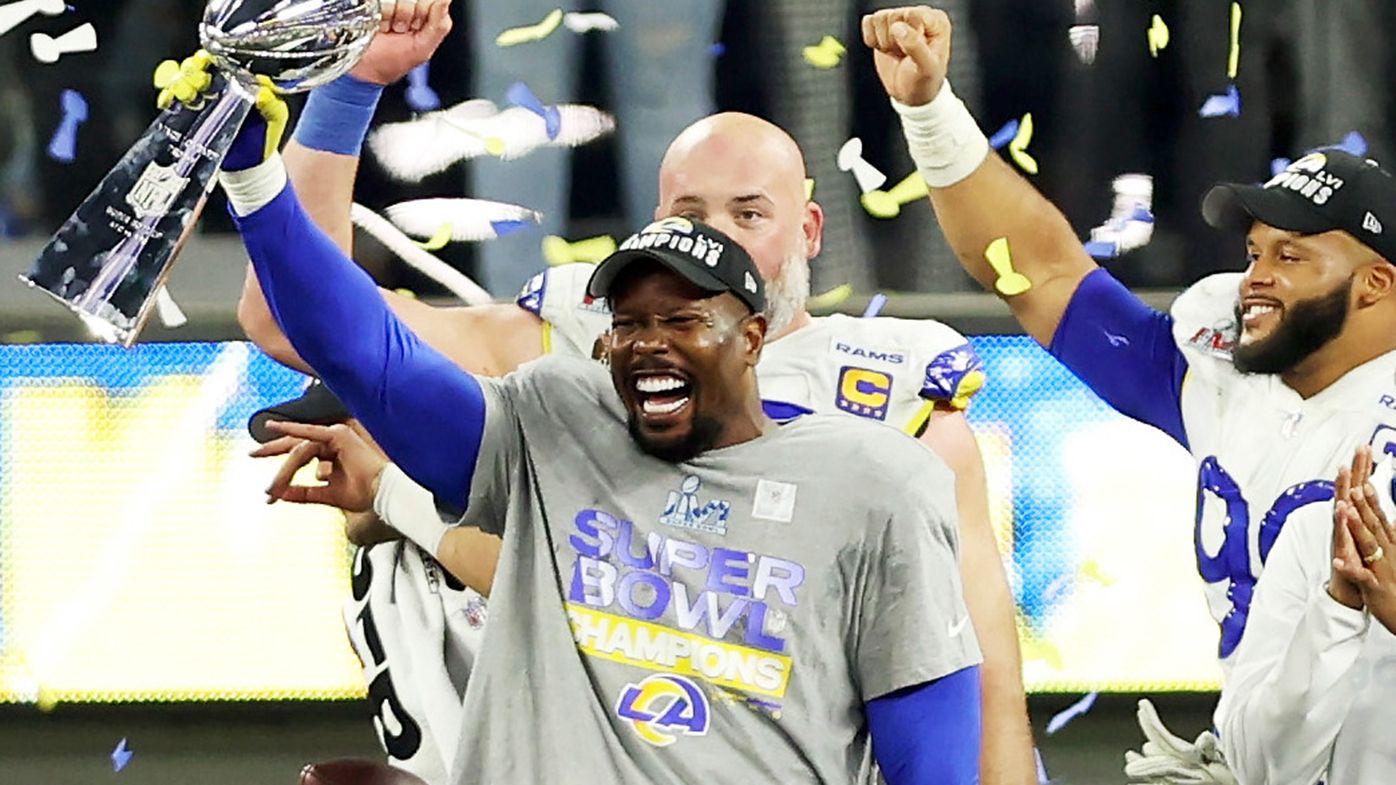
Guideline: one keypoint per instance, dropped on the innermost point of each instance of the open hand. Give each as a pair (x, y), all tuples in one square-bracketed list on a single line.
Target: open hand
[(351, 477), (911, 50), (410, 35)]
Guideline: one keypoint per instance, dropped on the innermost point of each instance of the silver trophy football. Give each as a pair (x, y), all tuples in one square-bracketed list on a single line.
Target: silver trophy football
[(111, 257)]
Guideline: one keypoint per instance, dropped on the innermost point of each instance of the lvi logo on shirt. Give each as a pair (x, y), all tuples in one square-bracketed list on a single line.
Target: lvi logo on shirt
[(663, 707), (685, 511)]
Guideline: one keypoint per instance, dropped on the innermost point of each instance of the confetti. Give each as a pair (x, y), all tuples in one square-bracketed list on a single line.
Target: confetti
[(1065, 716), (47, 49), (831, 299), (888, 204), (438, 240), (64, 145), (850, 159), (1085, 40), (431, 143), (519, 95), (463, 220), (1004, 135), (422, 261), (1010, 282), (507, 227), (1226, 105), (530, 33), (420, 96), (171, 315), (1158, 36), (875, 305), (1353, 144), (1018, 148), (1042, 778), (809, 188), (718, 49), (1043, 650), (558, 251), (586, 22), (1091, 569), (826, 54), (1131, 221), (13, 15), (1233, 62), (120, 756)]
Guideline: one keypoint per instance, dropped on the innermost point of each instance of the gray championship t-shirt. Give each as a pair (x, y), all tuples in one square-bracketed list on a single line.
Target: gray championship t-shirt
[(722, 620)]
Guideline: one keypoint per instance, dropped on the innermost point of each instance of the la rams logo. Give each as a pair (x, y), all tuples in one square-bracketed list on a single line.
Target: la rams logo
[(864, 392), (663, 707), (674, 225)]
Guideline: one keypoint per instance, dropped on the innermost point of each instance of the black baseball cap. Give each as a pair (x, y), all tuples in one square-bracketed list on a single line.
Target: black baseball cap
[(316, 406), (1320, 192), (702, 255)]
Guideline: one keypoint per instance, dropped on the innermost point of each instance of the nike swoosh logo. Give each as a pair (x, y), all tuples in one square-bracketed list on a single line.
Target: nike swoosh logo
[(958, 627)]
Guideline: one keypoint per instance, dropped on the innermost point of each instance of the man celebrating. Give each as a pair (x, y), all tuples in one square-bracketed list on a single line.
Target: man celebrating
[(1271, 378), (745, 177), (703, 644)]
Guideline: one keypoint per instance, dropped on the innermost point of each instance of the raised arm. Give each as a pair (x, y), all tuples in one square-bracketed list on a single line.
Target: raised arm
[(976, 196), (322, 161)]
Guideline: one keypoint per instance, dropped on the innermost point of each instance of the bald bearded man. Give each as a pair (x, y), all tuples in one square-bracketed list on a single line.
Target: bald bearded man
[(745, 177)]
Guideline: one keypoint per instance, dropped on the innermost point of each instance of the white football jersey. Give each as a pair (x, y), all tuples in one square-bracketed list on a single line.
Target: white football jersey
[(889, 370), (1263, 452), (416, 630)]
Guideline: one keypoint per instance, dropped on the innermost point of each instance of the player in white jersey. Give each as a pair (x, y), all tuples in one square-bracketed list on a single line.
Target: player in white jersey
[(746, 177), (1271, 378)]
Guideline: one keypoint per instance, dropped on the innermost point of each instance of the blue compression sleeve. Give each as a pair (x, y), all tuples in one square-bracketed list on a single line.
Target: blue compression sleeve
[(426, 413), (1124, 351), (929, 733)]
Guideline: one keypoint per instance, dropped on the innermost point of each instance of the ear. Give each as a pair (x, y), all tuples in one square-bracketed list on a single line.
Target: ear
[(813, 228), (754, 334), (1377, 283)]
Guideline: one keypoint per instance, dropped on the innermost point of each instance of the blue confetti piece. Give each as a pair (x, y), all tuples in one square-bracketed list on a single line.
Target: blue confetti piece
[(1101, 249), (1004, 135), (420, 96), (1354, 143), (1071, 712), (1226, 105), (875, 305), (64, 145), (718, 49), (506, 228), (1042, 778), (519, 95), (120, 756), (1279, 165)]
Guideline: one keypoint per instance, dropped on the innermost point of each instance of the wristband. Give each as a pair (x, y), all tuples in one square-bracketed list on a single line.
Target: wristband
[(249, 190), (944, 140), (409, 508), (337, 116)]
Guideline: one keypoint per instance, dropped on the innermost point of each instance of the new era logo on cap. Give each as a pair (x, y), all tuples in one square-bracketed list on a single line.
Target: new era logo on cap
[(1371, 224)]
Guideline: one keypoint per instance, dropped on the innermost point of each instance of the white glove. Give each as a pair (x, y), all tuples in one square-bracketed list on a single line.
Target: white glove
[(1169, 760)]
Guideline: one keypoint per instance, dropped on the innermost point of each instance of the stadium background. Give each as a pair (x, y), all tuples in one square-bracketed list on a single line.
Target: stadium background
[(147, 593)]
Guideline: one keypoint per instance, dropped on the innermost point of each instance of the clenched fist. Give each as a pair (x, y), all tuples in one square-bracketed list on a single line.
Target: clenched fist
[(911, 49), (411, 33)]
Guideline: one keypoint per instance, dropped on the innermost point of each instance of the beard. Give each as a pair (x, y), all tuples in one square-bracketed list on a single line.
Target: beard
[(787, 293), (1304, 328), (702, 435)]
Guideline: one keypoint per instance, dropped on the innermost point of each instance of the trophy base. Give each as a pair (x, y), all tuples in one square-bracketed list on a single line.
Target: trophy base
[(101, 325)]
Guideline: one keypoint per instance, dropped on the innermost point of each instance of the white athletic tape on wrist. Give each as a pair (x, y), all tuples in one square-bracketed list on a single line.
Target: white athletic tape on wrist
[(943, 138), (409, 508), (252, 189)]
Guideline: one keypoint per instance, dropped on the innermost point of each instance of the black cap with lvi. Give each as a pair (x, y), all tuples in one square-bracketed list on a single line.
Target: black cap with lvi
[(705, 257)]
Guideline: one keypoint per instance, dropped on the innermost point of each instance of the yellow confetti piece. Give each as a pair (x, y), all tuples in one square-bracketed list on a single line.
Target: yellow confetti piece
[(1158, 36), (830, 299), (809, 188), (825, 54), (888, 204), (530, 33), (1018, 148), (47, 700), (1042, 650), (1091, 569), (1233, 64), (438, 240), (406, 293), (1010, 282), (558, 251), (22, 336)]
